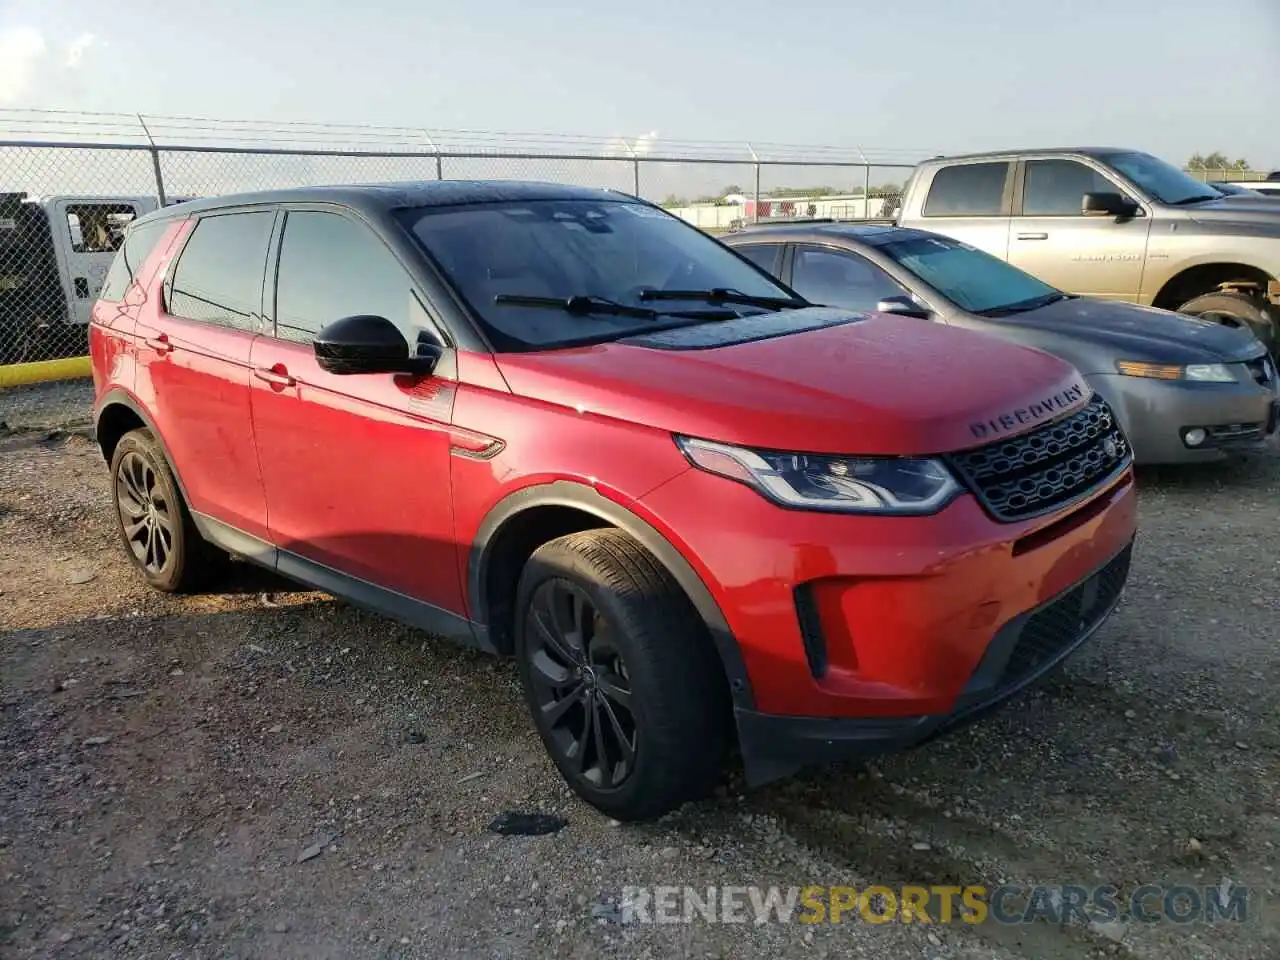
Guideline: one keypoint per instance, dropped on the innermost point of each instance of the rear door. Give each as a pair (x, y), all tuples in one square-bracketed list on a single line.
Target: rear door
[(356, 467), (1053, 241), (971, 202), (193, 364)]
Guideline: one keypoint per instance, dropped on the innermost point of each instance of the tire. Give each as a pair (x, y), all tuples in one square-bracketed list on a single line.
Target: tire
[(152, 519), (642, 639), (1237, 309)]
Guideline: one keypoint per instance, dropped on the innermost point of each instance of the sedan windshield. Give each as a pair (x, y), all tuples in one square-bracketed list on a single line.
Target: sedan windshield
[(1161, 180), (548, 273), (968, 277)]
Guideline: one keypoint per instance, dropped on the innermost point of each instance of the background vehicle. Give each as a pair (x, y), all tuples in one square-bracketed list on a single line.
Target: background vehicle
[(54, 256), (1184, 389), (1110, 223), (553, 422), (1248, 188)]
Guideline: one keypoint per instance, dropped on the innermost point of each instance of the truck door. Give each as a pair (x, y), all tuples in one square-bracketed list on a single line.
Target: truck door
[(1052, 240), (87, 232), (971, 202)]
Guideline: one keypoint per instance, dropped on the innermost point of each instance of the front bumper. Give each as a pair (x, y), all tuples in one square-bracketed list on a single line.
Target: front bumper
[(1022, 652), (1155, 414), (872, 629)]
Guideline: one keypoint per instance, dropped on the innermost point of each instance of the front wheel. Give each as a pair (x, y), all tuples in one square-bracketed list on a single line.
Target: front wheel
[(1235, 309), (625, 689)]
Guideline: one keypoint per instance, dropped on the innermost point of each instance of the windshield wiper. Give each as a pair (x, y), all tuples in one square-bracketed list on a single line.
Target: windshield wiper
[(1022, 306), (581, 305), (725, 295), (1198, 198)]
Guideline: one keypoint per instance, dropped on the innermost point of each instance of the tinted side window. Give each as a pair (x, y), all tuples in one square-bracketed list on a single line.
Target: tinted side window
[(218, 277), (1056, 188), (967, 190), (332, 267), (836, 279), (129, 259), (763, 255)]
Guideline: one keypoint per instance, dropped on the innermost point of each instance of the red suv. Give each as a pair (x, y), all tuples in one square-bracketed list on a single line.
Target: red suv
[(561, 424)]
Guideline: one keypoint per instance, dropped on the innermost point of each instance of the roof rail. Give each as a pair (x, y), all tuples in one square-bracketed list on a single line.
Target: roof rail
[(788, 221)]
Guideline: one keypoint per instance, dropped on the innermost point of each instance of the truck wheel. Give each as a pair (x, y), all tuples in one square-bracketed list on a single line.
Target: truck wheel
[(626, 692), (154, 523), (1235, 309)]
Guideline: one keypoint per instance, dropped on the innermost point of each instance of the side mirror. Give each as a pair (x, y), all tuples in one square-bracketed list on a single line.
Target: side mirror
[(365, 344), (902, 306), (1107, 205)]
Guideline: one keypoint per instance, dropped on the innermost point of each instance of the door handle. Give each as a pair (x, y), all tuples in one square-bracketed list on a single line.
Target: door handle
[(1033, 236), (160, 343), (276, 377)]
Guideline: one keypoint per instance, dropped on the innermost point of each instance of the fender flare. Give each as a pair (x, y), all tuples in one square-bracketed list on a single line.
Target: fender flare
[(119, 397), (564, 493)]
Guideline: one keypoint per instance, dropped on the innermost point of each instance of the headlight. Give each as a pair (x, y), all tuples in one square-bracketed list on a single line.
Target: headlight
[(843, 484), (1200, 372)]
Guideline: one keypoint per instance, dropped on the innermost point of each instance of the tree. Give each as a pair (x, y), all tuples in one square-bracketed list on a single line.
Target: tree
[(674, 201)]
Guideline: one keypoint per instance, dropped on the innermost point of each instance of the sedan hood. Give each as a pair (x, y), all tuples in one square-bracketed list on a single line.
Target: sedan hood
[(878, 385), (1137, 333)]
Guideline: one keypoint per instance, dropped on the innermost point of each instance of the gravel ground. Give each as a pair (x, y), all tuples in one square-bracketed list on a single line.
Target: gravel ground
[(267, 773)]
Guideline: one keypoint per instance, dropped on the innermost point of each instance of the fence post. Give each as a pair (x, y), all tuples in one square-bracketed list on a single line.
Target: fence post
[(635, 165), (436, 150), (755, 217), (155, 161)]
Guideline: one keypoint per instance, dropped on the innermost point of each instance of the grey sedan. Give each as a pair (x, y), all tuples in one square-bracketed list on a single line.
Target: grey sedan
[(1184, 389)]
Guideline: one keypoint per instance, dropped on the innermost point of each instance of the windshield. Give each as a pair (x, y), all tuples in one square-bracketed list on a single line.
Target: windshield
[(503, 257), (1161, 180), (968, 277)]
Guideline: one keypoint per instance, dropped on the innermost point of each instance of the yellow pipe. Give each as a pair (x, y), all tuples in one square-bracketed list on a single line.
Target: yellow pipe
[(17, 374)]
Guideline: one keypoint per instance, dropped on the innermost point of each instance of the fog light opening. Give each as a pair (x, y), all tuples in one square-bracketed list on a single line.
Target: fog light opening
[(1194, 437)]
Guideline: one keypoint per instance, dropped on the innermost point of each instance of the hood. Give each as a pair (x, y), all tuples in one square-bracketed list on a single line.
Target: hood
[(880, 385), (1257, 212), (1137, 333)]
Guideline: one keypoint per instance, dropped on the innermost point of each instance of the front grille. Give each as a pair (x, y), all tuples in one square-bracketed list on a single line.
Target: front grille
[(1052, 465), (1262, 370), (1056, 627)]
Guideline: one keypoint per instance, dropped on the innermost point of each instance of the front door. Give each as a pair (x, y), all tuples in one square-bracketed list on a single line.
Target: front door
[(1051, 240), (87, 233), (356, 467)]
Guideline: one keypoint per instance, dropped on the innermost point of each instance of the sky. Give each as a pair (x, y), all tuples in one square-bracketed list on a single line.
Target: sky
[(1172, 77)]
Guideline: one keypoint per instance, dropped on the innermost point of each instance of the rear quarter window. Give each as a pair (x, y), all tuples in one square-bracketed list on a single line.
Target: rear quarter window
[(138, 244), (968, 190)]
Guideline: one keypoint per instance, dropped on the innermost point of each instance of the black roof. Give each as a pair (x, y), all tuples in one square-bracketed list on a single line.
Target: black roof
[(870, 234), (380, 197)]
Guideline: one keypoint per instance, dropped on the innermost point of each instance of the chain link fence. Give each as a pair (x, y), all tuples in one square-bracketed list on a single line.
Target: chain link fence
[(64, 205)]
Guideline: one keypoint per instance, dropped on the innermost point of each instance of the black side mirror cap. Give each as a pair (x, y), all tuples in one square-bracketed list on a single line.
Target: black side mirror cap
[(368, 344), (902, 306), (1107, 205)]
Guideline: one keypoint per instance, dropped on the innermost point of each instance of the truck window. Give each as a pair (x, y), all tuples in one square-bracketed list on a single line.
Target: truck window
[(835, 278), (1055, 188), (133, 253), (218, 277), (968, 190), (98, 227)]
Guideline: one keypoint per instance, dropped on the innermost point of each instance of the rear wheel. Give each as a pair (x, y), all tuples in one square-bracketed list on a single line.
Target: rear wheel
[(625, 689), (1235, 309), (155, 525)]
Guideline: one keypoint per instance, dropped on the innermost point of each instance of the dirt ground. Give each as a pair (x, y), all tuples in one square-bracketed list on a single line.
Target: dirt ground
[(267, 773)]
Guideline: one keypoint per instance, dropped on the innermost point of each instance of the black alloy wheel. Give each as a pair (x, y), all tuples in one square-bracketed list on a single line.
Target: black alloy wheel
[(580, 684)]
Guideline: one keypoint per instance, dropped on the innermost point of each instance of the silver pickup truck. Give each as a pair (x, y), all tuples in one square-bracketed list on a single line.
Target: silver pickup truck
[(1112, 223)]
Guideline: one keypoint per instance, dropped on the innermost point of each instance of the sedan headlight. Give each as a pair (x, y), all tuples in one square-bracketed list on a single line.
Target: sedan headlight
[(1198, 372), (910, 485)]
